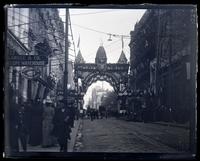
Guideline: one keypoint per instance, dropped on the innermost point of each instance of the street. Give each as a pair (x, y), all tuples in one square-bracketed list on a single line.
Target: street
[(114, 135)]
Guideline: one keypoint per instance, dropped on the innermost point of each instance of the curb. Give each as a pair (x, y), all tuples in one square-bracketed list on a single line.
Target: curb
[(180, 126), (78, 142), (73, 136), (164, 124)]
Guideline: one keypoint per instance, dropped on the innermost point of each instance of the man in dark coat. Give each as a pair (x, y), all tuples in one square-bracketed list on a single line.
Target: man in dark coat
[(13, 120), (23, 126), (61, 126), (13, 128), (35, 123), (71, 115)]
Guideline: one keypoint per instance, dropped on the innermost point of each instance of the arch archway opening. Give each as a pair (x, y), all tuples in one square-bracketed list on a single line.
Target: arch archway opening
[(97, 94)]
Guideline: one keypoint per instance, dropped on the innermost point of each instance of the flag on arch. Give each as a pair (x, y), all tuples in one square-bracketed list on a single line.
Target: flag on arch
[(78, 42), (122, 43)]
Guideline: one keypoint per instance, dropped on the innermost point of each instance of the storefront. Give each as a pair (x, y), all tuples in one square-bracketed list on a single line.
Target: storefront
[(26, 82), (16, 80)]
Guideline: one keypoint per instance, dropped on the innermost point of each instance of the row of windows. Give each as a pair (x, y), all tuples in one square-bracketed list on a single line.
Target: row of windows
[(15, 18)]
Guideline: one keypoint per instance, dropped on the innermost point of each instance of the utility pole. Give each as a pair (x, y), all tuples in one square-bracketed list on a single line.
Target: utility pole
[(192, 81), (158, 58), (66, 58), (170, 65)]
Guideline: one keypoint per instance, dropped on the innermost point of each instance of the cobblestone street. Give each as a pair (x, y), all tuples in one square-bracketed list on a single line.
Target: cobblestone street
[(114, 135)]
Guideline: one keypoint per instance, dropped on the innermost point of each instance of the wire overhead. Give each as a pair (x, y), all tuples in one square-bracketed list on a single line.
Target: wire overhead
[(91, 13), (51, 30), (72, 35), (114, 35), (107, 33)]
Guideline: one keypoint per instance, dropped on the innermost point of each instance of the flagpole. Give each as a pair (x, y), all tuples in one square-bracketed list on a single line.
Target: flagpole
[(78, 45), (122, 43)]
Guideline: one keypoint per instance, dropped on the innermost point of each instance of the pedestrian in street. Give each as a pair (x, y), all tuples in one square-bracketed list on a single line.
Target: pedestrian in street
[(101, 111), (77, 114), (40, 120), (106, 113), (143, 112), (81, 113), (47, 125), (36, 112), (90, 113), (62, 126), (13, 126), (93, 114), (97, 114), (71, 115), (23, 126)]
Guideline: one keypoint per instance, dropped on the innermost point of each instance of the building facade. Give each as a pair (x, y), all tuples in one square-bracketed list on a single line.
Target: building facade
[(97, 97), (70, 84), (47, 38), (17, 44), (35, 31), (161, 52)]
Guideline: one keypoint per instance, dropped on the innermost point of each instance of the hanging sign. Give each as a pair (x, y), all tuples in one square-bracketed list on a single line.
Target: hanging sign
[(30, 73)]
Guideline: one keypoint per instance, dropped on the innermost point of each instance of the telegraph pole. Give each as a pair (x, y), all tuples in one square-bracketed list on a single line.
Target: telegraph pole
[(66, 58), (192, 80), (171, 77), (158, 59)]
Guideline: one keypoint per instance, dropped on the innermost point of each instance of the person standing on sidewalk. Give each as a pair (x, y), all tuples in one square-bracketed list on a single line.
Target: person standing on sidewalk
[(23, 126), (35, 123), (61, 126), (13, 126), (47, 127), (71, 114)]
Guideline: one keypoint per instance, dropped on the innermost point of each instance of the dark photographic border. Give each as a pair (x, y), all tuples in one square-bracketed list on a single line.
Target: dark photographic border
[(102, 156)]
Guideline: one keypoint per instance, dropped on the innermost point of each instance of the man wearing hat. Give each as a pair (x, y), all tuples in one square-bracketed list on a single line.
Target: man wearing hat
[(61, 126), (47, 125)]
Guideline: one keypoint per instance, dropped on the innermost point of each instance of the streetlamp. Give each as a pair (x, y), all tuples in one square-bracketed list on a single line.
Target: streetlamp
[(109, 39)]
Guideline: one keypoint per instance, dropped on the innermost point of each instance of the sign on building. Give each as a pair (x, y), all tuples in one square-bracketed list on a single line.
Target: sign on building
[(27, 60), (30, 73)]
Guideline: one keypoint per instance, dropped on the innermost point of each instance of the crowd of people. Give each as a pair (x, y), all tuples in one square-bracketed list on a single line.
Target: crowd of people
[(37, 123), (147, 109), (93, 113)]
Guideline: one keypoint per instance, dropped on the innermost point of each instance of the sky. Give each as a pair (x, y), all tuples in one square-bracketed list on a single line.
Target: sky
[(104, 22)]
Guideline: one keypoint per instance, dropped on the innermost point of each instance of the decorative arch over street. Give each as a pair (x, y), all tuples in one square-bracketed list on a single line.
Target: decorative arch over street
[(114, 73)]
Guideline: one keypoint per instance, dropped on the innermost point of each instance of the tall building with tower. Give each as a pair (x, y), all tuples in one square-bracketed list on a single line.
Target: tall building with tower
[(97, 96)]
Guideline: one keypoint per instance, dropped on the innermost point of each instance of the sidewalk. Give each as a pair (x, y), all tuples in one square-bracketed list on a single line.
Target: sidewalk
[(186, 125), (172, 124), (56, 148), (73, 134)]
